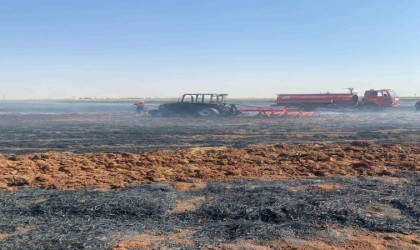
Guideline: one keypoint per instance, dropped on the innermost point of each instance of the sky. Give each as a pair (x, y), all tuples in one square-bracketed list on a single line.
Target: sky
[(163, 48)]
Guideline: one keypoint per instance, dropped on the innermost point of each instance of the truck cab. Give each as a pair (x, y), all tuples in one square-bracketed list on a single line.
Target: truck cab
[(380, 98)]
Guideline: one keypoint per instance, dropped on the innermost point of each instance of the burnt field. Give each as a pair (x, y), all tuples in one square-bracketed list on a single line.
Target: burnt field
[(319, 213), (123, 132), (98, 177)]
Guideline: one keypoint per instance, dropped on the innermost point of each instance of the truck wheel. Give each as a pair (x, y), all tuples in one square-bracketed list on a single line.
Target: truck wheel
[(208, 112)]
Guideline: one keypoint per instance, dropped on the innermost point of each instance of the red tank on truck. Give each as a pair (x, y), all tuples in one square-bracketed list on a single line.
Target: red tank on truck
[(372, 99)]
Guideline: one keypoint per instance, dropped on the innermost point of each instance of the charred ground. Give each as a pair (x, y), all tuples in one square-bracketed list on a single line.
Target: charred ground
[(279, 213), (121, 132)]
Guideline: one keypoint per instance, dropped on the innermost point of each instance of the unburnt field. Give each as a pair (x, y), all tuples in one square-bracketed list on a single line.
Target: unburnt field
[(112, 180)]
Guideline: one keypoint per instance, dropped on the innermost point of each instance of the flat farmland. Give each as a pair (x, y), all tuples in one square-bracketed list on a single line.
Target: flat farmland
[(96, 176)]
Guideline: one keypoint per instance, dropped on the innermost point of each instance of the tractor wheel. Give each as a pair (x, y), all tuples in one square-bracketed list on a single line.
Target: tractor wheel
[(208, 112)]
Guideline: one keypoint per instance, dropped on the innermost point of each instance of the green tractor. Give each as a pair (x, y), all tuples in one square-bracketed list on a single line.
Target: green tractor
[(202, 105)]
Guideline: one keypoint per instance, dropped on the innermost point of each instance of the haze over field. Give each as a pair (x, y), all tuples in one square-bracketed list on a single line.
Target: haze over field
[(57, 49)]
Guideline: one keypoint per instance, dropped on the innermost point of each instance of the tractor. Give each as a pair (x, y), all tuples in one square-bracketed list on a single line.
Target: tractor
[(202, 105)]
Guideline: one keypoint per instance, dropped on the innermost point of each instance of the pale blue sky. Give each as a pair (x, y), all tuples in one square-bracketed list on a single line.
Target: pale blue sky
[(244, 48)]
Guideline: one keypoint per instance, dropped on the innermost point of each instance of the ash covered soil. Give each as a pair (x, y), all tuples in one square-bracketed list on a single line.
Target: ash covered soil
[(111, 180), (316, 213), (122, 132)]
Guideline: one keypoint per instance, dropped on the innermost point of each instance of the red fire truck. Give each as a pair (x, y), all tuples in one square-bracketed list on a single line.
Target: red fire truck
[(372, 98)]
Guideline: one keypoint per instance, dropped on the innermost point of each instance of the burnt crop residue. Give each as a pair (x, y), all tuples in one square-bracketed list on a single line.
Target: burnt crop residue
[(223, 212), (119, 132)]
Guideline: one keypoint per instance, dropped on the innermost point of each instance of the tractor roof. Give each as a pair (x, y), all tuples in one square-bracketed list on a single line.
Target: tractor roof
[(207, 94)]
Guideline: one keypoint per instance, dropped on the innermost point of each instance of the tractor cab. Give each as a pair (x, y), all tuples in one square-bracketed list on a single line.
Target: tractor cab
[(203, 98), (381, 98)]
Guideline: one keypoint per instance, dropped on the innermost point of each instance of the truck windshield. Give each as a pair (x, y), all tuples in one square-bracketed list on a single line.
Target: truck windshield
[(393, 93)]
